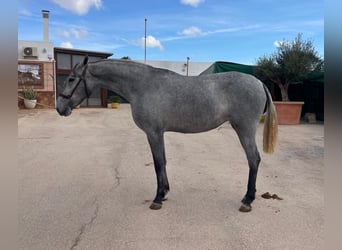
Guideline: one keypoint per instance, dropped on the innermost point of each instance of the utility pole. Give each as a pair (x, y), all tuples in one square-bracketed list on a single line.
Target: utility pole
[(145, 40)]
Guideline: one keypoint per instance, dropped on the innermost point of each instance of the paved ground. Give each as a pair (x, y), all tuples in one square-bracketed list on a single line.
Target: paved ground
[(86, 182)]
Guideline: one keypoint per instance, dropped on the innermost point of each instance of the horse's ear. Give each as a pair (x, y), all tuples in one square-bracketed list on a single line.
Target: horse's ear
[(85, 60)]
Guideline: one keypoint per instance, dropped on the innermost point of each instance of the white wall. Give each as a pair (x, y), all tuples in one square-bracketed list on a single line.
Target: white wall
[(44, 50), (195, 68)]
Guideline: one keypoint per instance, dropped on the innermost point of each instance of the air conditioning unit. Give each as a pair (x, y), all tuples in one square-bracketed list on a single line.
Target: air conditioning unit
[(30, 52)]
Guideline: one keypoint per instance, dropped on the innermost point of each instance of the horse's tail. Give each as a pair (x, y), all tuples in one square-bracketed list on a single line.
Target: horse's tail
[(270, 125)]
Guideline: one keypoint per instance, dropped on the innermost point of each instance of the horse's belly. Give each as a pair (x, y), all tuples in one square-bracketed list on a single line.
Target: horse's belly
[(194, 123), (194, 129)]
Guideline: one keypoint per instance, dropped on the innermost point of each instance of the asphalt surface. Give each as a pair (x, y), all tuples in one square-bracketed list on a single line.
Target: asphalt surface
[(86, 182)]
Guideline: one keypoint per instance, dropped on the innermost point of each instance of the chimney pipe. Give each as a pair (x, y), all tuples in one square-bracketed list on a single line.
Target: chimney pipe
[(45, 25)]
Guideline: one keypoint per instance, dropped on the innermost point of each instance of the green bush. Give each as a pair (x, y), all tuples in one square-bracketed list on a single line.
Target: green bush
[(29, 93), (114, 98)]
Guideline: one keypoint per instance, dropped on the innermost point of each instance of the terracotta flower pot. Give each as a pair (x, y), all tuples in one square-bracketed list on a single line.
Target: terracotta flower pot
[(288, 112)]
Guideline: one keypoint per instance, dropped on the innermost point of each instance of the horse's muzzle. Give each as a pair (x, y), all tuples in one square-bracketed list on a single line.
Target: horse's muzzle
[(64, 112)]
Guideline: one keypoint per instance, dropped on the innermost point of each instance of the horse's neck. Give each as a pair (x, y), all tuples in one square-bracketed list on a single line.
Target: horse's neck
[(118, 76)]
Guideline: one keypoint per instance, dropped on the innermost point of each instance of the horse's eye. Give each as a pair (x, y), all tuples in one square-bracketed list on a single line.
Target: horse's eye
[(71, 79)]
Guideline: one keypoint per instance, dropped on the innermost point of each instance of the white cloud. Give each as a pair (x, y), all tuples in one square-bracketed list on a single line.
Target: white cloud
[(81, 7), (277, 43), (191, 31), (67, 45), (77, 33), (194, 31), (280, 43), (25, 12), (151, 42), (193, 3)]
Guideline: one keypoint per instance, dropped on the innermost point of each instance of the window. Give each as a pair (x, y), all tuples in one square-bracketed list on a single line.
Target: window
[(94, 58), (30, 74), (63, 61), (77, 59)]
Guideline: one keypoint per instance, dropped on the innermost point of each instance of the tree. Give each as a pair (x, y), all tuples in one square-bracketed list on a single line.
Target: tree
[(291, 61)]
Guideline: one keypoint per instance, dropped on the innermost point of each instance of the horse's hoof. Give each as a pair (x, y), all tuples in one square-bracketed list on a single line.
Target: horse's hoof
[(155, 206), (245, 208)]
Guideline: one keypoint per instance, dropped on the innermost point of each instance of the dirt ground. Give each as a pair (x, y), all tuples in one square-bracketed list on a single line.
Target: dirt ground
[(86, 181)]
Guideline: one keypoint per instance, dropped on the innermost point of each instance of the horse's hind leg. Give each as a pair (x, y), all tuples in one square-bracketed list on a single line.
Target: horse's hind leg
[(246, 135), (156, 141)]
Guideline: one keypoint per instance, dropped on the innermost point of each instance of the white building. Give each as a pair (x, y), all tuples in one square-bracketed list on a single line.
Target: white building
[(183, 68), (36, 66)]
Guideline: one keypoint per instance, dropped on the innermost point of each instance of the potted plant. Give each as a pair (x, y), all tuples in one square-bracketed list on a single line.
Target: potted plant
[(30, 97), (285, 67), (114, 101)]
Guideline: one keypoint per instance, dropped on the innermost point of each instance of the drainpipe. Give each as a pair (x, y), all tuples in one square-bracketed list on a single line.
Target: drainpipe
[(54, 81)]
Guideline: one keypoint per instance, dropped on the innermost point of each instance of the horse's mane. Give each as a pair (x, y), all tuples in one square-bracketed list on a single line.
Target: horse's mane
[(136, 64)]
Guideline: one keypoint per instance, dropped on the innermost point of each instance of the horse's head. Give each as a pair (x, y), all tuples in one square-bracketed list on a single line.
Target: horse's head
[(75, 89)]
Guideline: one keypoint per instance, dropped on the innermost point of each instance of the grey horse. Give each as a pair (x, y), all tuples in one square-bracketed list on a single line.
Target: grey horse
[(162, 101)]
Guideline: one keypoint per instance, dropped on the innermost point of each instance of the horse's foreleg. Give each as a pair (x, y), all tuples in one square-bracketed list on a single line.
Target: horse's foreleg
[(156, 141), (247, 139)]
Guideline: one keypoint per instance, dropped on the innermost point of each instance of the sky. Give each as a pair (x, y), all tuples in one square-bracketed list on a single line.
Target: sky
[(203, 30)]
